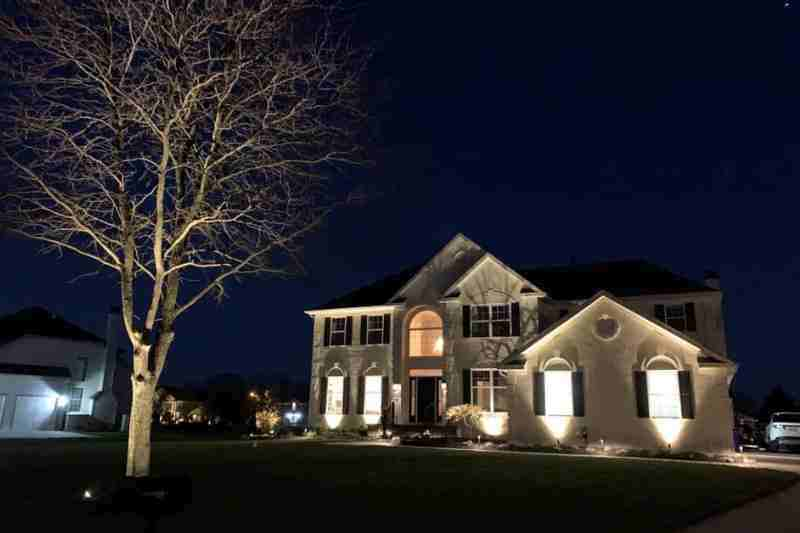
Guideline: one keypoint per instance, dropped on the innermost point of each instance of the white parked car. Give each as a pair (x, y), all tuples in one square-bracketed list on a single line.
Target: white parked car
[(783, 431)]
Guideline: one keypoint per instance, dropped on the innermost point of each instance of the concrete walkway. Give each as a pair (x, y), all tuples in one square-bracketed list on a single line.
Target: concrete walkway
[(44, 435), (779, 513)]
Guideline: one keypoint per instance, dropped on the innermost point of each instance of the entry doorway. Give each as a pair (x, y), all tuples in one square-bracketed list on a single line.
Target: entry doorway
[(424, 404)]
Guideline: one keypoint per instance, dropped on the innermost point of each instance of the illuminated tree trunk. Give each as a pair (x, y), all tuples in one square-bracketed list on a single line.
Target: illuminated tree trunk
[(141, 421)]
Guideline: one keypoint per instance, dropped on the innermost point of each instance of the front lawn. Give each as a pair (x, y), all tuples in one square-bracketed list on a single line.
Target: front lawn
[(253, 483)]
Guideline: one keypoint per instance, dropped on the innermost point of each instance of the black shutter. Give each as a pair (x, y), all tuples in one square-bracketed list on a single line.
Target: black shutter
[(538, 394), (385, 393), (326, 341), (346, 399), (466, 386), (360, 404), (642, 401), (691, 321), (660, 313), (363, 332), (687, 393), (348, 331), (323, 394), (578, 402), (387, 329), (466, 321), (515, 319)]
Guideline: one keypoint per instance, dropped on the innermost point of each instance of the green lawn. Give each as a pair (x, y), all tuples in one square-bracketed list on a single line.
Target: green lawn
[(248, 483)]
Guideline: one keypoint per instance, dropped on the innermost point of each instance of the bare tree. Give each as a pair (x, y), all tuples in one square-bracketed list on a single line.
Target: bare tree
[(179, 143)]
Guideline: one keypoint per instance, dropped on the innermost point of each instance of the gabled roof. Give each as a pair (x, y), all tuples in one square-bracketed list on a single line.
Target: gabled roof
[(624, 278), (517, 358), (483, 260), (629, 277), (34, 370), (40, 321)]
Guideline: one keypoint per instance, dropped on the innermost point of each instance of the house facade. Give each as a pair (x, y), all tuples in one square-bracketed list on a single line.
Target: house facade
[(622, 353), (54, 375)]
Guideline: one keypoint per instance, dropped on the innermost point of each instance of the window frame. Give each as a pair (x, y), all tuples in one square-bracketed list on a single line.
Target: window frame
[(439, 340), (336, 375), (492, 388), (490, 320), (72, 399), (376, 330), (379, 394), (681, 317), (334, 331)]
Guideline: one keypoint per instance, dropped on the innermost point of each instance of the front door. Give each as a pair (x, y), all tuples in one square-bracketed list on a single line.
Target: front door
[(424, 400)]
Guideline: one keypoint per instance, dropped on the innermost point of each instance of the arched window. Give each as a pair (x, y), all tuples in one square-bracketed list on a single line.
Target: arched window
[(558, 393), (425, 335), (663, 388), (335, 392)]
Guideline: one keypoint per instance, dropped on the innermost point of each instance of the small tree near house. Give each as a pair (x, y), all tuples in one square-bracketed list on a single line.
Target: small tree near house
[(467, 416), (266, 412), (179, 144)]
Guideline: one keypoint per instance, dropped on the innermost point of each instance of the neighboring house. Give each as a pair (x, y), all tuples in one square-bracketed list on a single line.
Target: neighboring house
[(179, 405), (54, 375), (625, 353), (294, 414)]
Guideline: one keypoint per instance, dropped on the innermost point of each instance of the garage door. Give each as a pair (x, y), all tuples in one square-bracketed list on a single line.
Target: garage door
[(33, 413)]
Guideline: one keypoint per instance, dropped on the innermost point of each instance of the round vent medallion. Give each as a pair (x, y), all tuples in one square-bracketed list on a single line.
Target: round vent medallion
[(606, 327)]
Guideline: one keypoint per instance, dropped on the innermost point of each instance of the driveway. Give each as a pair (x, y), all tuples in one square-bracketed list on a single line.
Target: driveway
[(7, 435), (779, 513)]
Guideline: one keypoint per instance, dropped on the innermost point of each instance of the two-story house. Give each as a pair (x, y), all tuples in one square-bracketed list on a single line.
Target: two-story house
[(55, 375), (625, 352)]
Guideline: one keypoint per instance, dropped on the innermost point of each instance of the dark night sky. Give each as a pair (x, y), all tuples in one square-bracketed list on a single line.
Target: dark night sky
[(562, 133)]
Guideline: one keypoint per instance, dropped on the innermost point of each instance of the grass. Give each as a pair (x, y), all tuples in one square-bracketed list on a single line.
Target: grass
[(249, 482)]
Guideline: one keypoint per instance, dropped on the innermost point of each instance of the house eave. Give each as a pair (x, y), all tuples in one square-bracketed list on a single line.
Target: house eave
[(353, 310)]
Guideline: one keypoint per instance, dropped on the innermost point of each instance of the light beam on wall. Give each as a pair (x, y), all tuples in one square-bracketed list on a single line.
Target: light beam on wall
[(669, 429), (557, 425), (493, 424), (333, 421)]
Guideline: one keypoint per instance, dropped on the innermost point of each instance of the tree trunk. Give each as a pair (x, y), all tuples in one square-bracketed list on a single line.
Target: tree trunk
[(140, 425)]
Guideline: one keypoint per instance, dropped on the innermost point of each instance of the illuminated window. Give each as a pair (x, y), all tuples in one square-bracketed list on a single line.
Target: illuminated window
[(373, 394), (491, 320), (558, 388), (338, 327), (663, 394), (76, 398), (335, 394), (490, 389), (425, 335), (375, 330)]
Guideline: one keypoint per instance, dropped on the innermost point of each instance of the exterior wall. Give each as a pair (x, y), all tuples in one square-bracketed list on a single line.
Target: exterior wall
[(43, 351), (12, 385), (610, 398)]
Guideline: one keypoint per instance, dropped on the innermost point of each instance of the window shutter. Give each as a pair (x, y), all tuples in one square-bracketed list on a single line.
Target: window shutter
[(360, 405), (466, 321), (348, 331), (660, 313), (326, 341), (363, 332), (346, 394), (387, 329), (687, 393), (538, 394), (466, 386), (385, 393), (323, 394), (578, 402), (515, 319), (691, 321), (642, 401)]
